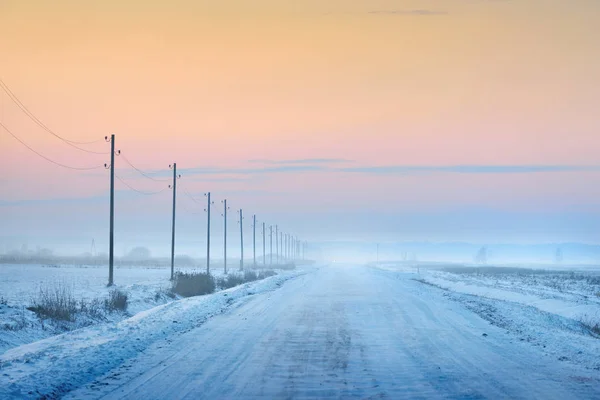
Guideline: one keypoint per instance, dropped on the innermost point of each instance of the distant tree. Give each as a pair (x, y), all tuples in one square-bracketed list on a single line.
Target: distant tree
[(138, 254), (44, 253), (558, 256), (482, 256)]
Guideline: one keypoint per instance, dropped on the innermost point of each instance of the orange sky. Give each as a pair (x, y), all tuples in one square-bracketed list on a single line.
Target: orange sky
[(378, 83)]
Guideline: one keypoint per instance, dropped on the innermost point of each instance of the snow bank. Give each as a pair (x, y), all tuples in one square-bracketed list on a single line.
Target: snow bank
[(55, 365)]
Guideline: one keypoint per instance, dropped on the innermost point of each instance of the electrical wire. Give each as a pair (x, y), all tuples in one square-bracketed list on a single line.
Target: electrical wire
[(142, 172), (37, 121), (139, 191), (46, 158), (187, 210), (190, 196)]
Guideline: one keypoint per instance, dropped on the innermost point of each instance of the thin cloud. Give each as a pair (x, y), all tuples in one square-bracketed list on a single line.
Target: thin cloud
[(470, 169), (421, 12), (302, 161), (252, 171)]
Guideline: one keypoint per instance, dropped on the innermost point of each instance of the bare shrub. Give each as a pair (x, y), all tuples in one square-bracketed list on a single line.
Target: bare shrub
[(266, 273), (161, 294), (250, 276), (591, 324), (117, 300), (230, 281), (94, 309), (55, 302), (192, 284), (286, 266)]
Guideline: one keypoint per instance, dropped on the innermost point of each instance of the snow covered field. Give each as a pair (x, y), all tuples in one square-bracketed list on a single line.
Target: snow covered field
[(146, 287), (570, 294)]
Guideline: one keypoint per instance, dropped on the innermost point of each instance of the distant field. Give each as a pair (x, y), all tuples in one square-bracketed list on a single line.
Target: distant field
[(18, 283)]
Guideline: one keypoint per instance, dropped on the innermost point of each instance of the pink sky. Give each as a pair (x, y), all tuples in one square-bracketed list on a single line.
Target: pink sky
[(376, 83)]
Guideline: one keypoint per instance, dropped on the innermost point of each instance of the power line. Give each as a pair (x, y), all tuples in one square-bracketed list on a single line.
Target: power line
[(46, 158), (37, 121), (140, 171), (139, 191), (187, 210), (190, 196)]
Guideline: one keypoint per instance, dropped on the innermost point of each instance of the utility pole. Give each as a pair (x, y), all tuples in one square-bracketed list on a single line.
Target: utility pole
[(281, 245), (111, 237), (208, 233), (241, 240), (174, 187), (303, 251), (254, 238), (287, 246), (270, 244), (277, 241), (225, 234), (264, 247)]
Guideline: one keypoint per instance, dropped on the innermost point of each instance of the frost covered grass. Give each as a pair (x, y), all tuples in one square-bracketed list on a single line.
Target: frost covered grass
[(55, 302), (39, 301), (232, 280), (567, 282), (591, 324), (569, 294), (117, 300), (58, 303), (193, 284)]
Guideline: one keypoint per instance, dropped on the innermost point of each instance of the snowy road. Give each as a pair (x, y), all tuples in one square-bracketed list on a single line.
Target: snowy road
[(350, 332)]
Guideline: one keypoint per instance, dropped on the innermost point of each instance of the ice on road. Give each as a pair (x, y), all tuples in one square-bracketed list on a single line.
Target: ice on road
[(345, 332)]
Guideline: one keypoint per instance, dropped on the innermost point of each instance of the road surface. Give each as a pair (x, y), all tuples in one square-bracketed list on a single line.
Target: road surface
[(344, 332)]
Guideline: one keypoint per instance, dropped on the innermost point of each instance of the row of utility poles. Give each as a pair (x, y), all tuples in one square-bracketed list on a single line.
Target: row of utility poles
[(288, 248)]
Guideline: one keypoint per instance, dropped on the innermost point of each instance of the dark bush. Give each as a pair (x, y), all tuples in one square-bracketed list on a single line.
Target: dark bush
[(287, 266), (250, 276), (192, 284), (55, 303), (230, 281), (117, 300), (266, 273), (94, 309)]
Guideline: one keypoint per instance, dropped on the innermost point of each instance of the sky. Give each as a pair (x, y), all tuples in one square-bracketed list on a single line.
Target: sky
[(440, 120)]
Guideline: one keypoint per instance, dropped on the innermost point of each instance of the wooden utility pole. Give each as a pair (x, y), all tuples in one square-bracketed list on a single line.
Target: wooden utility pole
[(264, 245), (241, 240), (225, 235), (254, 238), (111, 237), (271, 245), (208, 234), (173, 222)]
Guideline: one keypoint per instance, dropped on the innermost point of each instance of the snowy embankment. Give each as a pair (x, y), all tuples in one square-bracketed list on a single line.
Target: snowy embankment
[(22, 285), (62, 362), (556, 312)]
